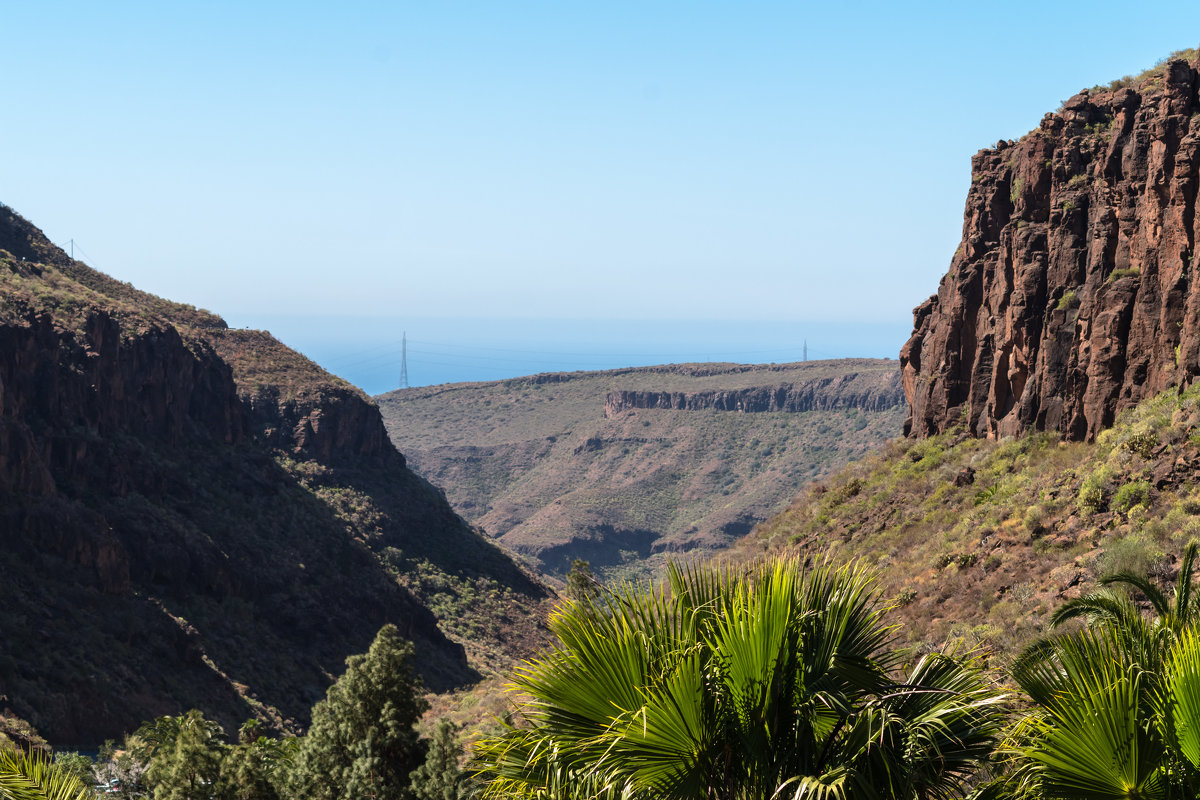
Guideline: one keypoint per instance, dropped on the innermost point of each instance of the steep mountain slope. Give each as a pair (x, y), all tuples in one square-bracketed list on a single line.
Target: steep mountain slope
[(627, 466), (979, 541), (197, 516), (1074, 293), (1070, 309)]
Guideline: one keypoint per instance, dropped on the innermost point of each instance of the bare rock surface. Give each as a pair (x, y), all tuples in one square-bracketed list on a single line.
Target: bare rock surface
[(1073, 293)]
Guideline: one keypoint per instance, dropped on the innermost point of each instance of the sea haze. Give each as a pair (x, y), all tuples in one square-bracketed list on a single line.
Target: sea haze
[(366, 350)]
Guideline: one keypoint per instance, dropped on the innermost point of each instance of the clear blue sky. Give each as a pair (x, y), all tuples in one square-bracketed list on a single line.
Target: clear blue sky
[(289, 165)]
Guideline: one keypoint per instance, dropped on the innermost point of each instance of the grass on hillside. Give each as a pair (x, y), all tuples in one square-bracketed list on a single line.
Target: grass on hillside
[(1188, 54), (537, 463), (71, 292), (980, 541)]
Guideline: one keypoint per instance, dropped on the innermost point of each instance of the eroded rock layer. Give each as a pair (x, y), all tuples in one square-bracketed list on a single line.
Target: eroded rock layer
[(1072, 295), (873, 391)]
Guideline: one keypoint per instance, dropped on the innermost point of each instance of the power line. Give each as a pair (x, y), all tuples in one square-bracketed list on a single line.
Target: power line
[(404, 360)]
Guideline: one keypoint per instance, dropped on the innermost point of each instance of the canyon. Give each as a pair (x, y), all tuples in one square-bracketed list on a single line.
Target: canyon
[(628, 468)]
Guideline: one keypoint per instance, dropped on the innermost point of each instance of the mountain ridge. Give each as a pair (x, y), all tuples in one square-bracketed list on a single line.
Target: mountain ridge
[(198, 516)]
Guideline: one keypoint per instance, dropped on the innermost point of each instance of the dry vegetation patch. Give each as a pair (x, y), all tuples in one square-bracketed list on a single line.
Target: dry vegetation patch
[(979, 541)]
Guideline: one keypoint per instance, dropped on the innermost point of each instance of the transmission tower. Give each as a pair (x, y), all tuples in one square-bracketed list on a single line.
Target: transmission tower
[(806, 349), (404, 360)]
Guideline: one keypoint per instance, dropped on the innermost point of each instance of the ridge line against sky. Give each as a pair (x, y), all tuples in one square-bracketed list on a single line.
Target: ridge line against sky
[(795, 162)]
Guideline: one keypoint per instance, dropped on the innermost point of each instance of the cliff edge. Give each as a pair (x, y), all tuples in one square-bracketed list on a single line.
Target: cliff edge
[(1073, 294), (194, 516)]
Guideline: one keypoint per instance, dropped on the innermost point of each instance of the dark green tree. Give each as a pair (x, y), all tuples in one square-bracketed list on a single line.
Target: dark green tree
[(441, 777), (256, 766), (76, 764), (187, 766), (581, 581), (362, 742)]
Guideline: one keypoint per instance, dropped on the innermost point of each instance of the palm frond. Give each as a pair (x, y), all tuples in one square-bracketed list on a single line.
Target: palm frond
[(32, 775), (1143, 584), (1184, 695)]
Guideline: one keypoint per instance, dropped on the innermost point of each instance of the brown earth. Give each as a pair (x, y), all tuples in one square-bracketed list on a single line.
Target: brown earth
[(1074, 293), (626, 468), (977, 542)]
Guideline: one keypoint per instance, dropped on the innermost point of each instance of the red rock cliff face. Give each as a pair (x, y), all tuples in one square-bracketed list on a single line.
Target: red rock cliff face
[(1073, 294)]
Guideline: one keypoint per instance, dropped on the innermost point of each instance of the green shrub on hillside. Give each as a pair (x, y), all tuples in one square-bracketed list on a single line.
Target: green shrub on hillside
[(1134, 553), (1130, 495), (1141, 443), (1070, 299), (1014, 191), (1091, 499)]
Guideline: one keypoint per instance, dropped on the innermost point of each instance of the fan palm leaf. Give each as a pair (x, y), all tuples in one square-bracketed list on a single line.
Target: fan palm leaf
[(1182, 698), (723, 683), (33, 775)]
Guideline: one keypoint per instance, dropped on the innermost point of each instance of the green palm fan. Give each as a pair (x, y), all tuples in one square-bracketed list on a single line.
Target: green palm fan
[(770, 682), (33, 775), (1095, 735)]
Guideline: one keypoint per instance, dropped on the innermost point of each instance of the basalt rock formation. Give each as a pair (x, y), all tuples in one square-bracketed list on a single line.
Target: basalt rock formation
[(871, 391), (1075, 292), (193, 516)]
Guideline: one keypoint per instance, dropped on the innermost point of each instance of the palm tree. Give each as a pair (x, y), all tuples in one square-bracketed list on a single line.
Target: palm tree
[(32, 775), (1117, 705), (1174, 613), (778, 682), (1151, 636)]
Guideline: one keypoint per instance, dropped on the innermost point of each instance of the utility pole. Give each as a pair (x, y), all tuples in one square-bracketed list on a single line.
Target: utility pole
[(404, 360), (72, 249)]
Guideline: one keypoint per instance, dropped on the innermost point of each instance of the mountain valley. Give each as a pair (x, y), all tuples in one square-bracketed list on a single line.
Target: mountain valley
[(627, 468)]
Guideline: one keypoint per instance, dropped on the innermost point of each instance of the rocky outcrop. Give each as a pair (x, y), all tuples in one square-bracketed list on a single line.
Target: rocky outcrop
[(866, 391), (1074, 292), (192, 516)]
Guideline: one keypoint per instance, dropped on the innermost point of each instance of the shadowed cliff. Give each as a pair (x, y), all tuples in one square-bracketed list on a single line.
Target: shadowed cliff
[(193, 516)]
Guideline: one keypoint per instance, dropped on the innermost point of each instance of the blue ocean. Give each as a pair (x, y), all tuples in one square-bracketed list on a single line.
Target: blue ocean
[(369, 351)]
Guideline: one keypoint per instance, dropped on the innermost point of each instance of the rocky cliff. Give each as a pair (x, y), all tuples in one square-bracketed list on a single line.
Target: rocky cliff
[(872, 391), (1074, 293), (193, 516)]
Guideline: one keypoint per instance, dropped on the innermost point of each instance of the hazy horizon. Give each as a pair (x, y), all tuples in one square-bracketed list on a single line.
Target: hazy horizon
[(367, 350), (533, 160)]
